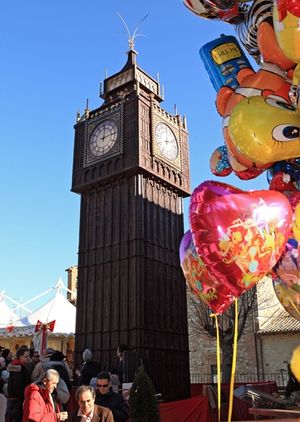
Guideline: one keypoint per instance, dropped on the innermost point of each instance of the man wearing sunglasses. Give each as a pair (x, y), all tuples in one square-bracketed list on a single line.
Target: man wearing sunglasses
[(106, 397)]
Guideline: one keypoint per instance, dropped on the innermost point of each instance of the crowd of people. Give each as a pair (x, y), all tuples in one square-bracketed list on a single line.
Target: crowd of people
[(41, 388)]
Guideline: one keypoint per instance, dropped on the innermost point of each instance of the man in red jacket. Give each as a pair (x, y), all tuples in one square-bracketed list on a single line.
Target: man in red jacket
[(39, 405)]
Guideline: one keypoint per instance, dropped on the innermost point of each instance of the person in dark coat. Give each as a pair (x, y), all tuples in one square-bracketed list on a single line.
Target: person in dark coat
[(89, 369), (105, 396), (7, 355), (18, 380), (119, 368)]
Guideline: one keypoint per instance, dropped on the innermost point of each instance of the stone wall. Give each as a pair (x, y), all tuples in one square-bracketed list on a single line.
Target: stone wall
[(262, 353), (203, 352)]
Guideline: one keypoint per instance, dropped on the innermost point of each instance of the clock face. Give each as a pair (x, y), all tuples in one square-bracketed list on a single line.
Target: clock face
[(166, 141), (103, 137)]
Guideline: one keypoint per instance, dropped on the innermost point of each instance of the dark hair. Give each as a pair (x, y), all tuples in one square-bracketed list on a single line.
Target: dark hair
[(82, 389), (21, 352), (5, 353), (103, 376), (57, 355), (122, 348)]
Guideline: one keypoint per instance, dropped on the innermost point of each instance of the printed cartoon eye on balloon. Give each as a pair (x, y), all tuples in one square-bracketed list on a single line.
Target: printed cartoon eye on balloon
[(265, 130)]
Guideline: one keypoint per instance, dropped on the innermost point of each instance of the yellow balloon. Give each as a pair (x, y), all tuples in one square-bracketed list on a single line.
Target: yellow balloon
[(287, 29), (295, 363), (265, 130), (296, 223)]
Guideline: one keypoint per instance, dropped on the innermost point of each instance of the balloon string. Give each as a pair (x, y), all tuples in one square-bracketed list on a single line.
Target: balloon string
[(234, 355), (218, 365)]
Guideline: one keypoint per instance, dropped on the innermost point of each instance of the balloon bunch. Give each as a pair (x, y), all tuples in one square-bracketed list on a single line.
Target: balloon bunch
[(237, 237), (245, 16)]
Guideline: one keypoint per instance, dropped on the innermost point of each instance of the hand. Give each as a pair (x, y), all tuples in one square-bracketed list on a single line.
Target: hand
[(62, 416), (77, 372)]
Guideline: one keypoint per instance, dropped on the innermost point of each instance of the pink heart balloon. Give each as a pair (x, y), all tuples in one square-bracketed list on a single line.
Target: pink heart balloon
[(202, 284), (239, 235)]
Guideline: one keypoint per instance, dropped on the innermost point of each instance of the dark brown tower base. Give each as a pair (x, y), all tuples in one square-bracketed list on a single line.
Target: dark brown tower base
[(129, 280)]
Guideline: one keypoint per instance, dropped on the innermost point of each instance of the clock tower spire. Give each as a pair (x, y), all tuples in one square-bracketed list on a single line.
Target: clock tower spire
[(131, 169)]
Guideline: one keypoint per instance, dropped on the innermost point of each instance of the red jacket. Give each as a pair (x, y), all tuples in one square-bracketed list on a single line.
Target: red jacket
[(37, 406)]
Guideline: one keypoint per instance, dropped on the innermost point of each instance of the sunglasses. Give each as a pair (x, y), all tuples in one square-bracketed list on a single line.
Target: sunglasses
[(102, 385)]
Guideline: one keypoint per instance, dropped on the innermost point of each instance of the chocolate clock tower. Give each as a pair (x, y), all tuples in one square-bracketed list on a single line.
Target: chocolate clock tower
[(131, 168)]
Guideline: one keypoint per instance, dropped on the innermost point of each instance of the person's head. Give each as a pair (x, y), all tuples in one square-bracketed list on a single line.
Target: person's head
[(35, 357), (6, 354), (121, 348), (50, 380), (85, 397), (23, 354), (103, 382), (48, 352), (57, 356), (87, 355)]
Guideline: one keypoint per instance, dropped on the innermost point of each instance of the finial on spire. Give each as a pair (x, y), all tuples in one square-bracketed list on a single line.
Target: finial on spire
[(131, 38), (87, 110)]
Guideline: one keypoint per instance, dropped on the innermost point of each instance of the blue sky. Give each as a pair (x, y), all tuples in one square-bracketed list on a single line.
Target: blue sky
[(53, 56)]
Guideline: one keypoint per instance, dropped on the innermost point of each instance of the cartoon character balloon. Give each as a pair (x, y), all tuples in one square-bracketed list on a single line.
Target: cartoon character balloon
[(265, 130), (246, 18), (286, 16), (239, 235), (201, 282), (270, 80)]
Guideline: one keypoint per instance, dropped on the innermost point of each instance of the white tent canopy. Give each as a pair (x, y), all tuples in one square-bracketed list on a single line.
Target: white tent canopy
[(7, 315), (58, 309)]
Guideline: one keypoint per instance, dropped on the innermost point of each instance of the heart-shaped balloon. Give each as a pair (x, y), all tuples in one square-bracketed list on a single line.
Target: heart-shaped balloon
[(202, 284), (288, 298), (287, 268), (239, 235)]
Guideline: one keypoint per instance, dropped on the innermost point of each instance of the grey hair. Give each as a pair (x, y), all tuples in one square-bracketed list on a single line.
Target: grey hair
[(49, 374), (87, 355), (82, 389)]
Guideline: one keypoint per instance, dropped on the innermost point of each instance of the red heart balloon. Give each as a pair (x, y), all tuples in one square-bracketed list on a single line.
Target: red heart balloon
[(202, 284), (239, 235)]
